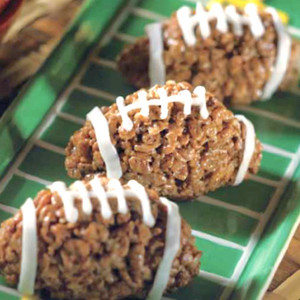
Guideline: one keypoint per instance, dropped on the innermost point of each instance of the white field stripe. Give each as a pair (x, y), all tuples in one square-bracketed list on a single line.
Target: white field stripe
[(217, 240), (293, 31), (72, 118), (236, 208), (105, 62), (50, 147), (279, 259), (265, 181), (32, 178), (118, 21), (10, 291), (8, 209), (269, 115), (148, 14), (277, 151), (214, 278), (261, 225), (96, 92), (123, 37)]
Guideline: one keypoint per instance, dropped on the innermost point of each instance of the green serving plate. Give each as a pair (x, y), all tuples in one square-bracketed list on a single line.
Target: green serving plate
[(243, 231)]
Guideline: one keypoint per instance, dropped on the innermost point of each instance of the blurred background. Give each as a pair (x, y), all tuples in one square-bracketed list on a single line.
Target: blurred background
[(29, 29)]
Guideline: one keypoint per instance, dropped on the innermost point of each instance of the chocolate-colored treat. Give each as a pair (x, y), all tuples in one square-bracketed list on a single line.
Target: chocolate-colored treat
[(98, 240), (181, 142), (238, 62)]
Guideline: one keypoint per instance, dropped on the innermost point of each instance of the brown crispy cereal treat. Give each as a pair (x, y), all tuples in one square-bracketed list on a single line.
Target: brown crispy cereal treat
[(181, 142), (97, 240), (238, 61)]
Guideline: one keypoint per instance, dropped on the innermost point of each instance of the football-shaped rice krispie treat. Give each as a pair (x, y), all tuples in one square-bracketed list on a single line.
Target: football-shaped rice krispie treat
[(100, 240), (180, 141), (239, 56)]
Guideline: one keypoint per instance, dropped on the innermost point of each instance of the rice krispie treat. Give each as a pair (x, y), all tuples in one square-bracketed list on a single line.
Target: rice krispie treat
[(178, 140), (239, 56), (100, 240)]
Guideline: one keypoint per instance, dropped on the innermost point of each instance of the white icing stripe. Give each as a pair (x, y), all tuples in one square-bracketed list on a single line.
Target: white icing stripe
[(115, 186), (80, 188), (156, 47), (100, 193), (184, 97), (106, 148), (172, 244), (29, 249), (187, 21), (67, 198), (143, 101), (249, 148), (126, 122), (283, 54), (140, 192)]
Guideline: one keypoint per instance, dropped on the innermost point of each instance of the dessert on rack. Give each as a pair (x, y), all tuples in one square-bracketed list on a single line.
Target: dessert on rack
[(240, 56), (97, 239), (175, 138)]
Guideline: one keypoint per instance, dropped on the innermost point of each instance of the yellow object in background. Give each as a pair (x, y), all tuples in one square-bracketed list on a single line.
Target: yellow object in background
[(30, 298), (241, 4)]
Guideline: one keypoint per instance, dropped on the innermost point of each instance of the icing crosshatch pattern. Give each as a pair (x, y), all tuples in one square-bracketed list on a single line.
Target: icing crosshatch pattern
[(228, 223)]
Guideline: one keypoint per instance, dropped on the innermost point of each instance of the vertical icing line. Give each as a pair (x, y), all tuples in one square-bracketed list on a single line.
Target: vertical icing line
[(100, 194), (157, 72), (142, 98), (200, 91), (67, 198), (186, 23), (80, 188), (108, 151), (218, 11), (126, 121), (249, 147), (172, 245), (164, 103), (254, 20), (29, 249), (203, 21), (235, 19), (187, 109), (142, 195), (115, 185), (283, 54)]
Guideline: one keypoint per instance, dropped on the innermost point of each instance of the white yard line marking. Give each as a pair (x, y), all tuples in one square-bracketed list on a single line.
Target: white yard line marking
[(123, 37), (214, 278), (279, 259), (32, 177), (8, 209), (105, 62), (265, 181), (10, 291), (96, 92), (72, 118), (118, 21), (261, 225), (148, 14), (51, 147), (269, 115), (217, 240), (236, 208), (277, 151), (293, 31)]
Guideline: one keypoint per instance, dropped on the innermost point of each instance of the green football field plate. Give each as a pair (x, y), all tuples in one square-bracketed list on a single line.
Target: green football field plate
[(243, 231)]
